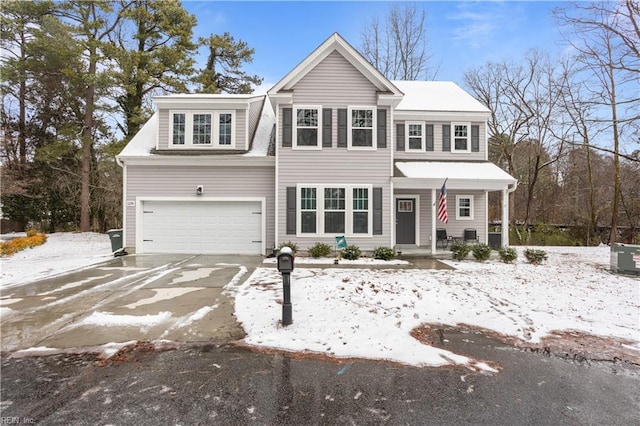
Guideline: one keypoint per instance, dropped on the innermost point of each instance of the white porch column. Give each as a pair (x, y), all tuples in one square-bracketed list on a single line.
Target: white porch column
[(433, 221), (505, 217)]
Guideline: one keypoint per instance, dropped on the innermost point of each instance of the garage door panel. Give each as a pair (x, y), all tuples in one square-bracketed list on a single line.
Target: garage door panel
[(213, 227)]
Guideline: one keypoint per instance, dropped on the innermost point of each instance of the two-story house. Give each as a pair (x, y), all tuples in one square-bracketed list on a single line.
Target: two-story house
[(334, 148)]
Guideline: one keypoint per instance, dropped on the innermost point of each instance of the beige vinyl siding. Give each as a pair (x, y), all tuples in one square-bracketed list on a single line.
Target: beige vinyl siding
[(437, 154), (335, 166), (255, 109), (334, 81), (240, 128), (181, 181), (455, 228)]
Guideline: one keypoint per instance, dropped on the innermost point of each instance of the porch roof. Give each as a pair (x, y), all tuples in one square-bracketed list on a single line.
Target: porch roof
[(468, 175)]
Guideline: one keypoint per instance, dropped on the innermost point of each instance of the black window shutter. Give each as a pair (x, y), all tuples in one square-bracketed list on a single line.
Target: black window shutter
[(342, 128), (291, 210), (382, 128), (446, 137), (326, 127), (400, 137), (475, 138), (377, 211), (429, 137), (287, 127)]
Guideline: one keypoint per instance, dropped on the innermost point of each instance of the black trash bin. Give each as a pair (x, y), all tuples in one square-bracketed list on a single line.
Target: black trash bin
[(115, 235)]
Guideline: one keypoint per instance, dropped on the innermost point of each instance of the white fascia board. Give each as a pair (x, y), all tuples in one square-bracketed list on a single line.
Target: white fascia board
[(200, 160), (201, 103), (452, 184), (386, 99), (441, 115)]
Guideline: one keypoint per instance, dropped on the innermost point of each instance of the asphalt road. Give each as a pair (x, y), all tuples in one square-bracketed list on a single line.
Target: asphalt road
[(210, 384)]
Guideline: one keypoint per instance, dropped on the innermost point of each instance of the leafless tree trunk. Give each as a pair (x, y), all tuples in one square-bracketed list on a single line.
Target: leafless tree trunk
[(398, 47)]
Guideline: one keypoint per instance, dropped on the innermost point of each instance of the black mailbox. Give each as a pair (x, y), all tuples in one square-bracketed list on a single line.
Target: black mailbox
[(285, 260)]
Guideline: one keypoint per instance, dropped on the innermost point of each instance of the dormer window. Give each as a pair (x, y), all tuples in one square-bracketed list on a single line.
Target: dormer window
[(202, 129), (361, 132), (308, 125)]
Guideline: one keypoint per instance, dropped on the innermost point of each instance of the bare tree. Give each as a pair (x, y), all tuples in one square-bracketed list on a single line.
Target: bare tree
[(398, 46), (606, 38)]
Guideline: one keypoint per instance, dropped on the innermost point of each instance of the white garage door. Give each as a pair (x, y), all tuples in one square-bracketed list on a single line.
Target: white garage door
[(208, 227)]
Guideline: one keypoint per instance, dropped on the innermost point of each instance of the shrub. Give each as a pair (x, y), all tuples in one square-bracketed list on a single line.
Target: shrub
[(351, 252), (460, 251), (292, 246), (481, 251), (384, 253), (535, 256), (508, 254), (320, 250), (31, 232), (9, 248)]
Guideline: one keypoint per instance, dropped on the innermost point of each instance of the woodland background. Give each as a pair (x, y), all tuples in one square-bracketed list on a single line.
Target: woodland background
[(77, 78)]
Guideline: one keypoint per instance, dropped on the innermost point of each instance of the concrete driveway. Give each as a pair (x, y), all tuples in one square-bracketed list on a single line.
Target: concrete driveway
[(139, 297)]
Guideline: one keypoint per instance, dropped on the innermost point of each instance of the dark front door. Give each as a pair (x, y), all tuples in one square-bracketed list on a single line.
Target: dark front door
[(405, 221)]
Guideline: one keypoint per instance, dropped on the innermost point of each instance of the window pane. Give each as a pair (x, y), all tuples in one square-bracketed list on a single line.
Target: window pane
[(201, 129), (415, 130), (308, 198), (334, 199), (307, 118), (179, 127), (307, 137), (360, 137), (360, 199), (308, 225), (360, 222), (362, 118), (461, 144), (224, 137), (415, 143), (334, 222)]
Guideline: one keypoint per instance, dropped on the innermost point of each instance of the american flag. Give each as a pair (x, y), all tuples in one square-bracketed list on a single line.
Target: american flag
[(443, 216)]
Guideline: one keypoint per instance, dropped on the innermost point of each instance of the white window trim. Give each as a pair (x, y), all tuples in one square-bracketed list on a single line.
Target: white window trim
[(320, 210), (423, 144), (374, 129), (453, 137), (471, 204), (215, 130), (295, 127)]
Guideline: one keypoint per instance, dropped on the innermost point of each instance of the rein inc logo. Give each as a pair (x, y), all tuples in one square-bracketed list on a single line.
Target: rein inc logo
[(17, 421)]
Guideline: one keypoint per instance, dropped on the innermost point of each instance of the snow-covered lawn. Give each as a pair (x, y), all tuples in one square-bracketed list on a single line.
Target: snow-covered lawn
[(370, 313), (63, 251)]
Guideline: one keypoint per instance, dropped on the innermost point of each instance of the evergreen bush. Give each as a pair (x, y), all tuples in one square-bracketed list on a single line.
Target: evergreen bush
[(535, 256), (320, 250), (351, 252), (291, 245), (508, 254), (384, 253), (481, 251), (460, 251)]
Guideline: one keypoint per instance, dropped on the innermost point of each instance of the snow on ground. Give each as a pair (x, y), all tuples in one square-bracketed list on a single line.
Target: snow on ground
[(63, 251), (370, 313)]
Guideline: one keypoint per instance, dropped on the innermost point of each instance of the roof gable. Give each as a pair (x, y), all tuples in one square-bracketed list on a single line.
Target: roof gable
[(339, 44)]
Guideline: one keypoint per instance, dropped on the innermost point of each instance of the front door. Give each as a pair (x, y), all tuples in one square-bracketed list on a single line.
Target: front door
[(405, 221)]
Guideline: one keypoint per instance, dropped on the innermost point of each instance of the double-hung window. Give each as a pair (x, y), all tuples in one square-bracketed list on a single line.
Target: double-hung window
[(461, 137), (202, 129), (362, 122), (308, 127), (334, 210), (464, 207), (415, 136), (360, 210), (308, 210), (179, 127)]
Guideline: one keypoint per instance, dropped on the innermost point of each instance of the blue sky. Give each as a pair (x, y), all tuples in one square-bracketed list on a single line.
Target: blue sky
[(462, 34)]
